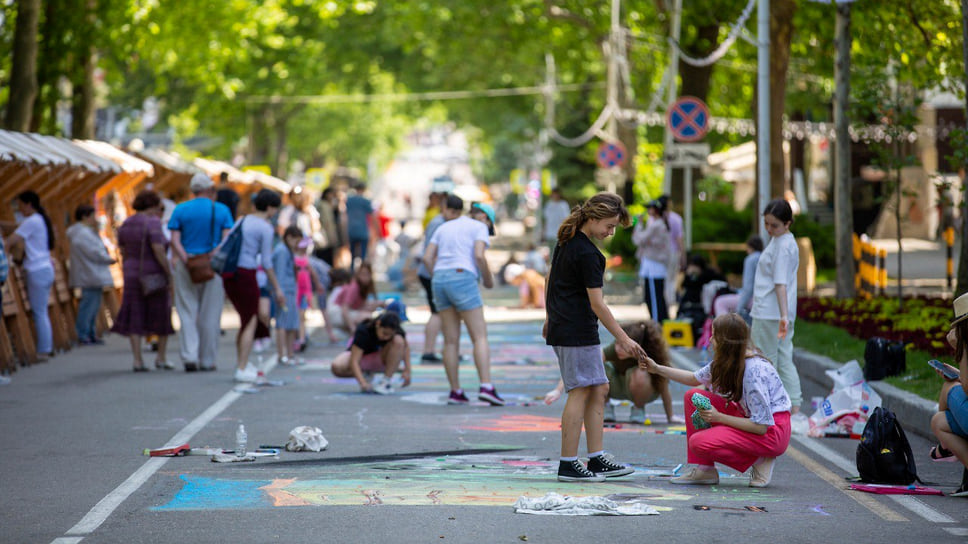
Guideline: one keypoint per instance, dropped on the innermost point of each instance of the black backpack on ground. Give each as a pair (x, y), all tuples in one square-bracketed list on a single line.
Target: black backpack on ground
[(884, 454), (883, 358)]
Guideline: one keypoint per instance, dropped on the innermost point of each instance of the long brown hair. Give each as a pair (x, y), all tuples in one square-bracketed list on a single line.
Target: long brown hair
[(732, 342), (601, 206), (961, 346)]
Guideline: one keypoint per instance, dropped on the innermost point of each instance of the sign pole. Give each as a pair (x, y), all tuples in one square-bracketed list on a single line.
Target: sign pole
[(687, 209)]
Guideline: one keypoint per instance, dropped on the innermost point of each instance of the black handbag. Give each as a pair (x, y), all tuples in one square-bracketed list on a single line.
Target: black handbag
[(883, 358)]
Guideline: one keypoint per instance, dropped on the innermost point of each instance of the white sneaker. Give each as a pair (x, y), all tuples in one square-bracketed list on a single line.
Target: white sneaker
[(247, 375), (637, 415), (4, 380), (381, 385)]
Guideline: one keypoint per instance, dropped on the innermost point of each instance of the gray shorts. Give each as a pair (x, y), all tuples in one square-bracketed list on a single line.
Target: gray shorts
[(581, 366)]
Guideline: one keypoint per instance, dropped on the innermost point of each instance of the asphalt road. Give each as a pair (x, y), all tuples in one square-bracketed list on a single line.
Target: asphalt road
[(401, 468)]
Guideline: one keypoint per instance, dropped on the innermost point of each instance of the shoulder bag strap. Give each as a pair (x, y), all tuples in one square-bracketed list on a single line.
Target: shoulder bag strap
[(211, 229)]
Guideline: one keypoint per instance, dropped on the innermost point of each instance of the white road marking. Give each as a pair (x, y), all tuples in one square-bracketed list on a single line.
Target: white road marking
[(106, 506)]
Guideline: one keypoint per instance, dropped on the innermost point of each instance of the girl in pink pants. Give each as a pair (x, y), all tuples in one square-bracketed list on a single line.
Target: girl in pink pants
[(749, 417)]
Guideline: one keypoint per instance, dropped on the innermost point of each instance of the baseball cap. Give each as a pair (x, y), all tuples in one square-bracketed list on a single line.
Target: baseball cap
[(200, 182), (489, 211), (399, 308)]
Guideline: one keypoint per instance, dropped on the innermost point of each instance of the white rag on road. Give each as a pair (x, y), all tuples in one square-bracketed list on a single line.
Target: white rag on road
[(554, 504)]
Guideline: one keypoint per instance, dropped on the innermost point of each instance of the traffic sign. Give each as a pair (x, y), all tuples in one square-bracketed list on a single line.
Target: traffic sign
[(688, 119), (686, 155), (611, 154)]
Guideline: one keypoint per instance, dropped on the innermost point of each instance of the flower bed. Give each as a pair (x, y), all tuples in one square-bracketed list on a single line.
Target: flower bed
[(921, 322)]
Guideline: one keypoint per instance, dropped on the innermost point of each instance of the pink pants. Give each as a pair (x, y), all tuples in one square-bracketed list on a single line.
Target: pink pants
[(732, 447)]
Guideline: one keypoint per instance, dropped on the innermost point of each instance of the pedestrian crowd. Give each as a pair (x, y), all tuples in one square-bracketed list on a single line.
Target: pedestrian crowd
[(289, 257)]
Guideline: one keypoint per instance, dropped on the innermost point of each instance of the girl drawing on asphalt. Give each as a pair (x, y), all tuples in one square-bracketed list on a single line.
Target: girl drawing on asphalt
[(748, 412), (574, 305)]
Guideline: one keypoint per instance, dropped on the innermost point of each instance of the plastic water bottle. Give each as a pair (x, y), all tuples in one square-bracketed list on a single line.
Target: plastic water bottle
[(241, 439), (705, 355)]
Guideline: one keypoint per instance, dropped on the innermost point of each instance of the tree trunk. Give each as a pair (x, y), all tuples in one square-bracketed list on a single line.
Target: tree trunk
[(23, 73), (843, 226), (258, 135), (963, 254), (781, 34), (82, 106)]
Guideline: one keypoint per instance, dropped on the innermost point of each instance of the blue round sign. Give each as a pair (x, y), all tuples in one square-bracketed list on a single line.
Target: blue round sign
[(688, 119)]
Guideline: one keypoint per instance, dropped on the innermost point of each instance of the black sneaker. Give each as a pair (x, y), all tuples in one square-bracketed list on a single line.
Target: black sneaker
[(575, 471), (963, 490), (430, 358), (603, 465)]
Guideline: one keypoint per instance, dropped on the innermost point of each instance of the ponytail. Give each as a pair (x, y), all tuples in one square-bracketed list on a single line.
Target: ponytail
[(32, 198), (601, 206)]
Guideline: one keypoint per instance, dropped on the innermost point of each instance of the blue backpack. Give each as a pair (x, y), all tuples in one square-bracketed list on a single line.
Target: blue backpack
[(4, 265)]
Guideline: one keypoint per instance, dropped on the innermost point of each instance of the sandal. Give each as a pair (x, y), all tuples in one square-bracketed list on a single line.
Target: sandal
[(940, 455), (141, 368), (164, 365)]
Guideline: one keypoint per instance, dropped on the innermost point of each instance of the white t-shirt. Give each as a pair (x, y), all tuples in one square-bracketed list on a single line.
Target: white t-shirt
[(554, 213), (455, 244), (778, 265), (256, 243), (763, 392), (33, 230)]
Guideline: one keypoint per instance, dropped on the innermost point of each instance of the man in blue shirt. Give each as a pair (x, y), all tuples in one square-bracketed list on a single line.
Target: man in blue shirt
[(359, 214), (197, 226)]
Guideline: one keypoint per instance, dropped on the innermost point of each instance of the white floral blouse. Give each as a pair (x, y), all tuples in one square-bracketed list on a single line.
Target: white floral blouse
[(763, 392)]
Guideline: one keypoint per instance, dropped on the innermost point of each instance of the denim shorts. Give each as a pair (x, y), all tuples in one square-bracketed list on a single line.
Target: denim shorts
[(957, 412), (456, 288)]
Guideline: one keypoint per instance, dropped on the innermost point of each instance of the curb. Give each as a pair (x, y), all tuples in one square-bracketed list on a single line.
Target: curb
[(912, 411)]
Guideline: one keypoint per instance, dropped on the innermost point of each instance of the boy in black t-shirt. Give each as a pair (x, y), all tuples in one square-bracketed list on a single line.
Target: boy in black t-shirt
[(377, 347)]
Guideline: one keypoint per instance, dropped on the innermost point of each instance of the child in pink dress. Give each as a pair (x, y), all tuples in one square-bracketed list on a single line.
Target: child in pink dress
[(306, 285)]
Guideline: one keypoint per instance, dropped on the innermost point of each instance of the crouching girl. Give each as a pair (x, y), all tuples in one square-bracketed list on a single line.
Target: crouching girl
[(377, 347), (748, 410)]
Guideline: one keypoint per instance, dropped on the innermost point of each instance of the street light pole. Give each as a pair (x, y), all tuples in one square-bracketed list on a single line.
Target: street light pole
[(763, 109)]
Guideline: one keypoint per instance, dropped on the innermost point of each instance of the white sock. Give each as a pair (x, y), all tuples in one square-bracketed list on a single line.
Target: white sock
[(485, 385), (595, 454), (569, 459)]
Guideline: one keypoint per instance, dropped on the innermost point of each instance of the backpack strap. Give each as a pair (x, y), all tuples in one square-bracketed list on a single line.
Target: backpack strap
[(908, 453)]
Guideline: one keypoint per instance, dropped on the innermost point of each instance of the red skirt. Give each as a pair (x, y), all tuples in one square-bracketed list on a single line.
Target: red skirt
[(242, 288)]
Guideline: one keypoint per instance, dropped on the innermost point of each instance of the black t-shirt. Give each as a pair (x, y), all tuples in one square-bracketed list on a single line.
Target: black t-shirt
[(576, 267), (366, 339), (228, 197)]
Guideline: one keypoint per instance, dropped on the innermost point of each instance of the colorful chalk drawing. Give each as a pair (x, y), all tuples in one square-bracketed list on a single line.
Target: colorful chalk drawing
[(479, 480)]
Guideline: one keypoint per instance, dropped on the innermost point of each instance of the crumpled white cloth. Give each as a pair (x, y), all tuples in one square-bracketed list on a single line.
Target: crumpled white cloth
[(306, 438), (554, 504)]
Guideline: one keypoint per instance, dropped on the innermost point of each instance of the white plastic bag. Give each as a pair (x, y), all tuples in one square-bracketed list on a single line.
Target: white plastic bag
[(858, 398), (305, 438), (847, 375)]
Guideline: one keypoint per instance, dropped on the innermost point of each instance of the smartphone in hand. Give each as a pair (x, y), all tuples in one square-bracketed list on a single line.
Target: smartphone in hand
[(948, 372)]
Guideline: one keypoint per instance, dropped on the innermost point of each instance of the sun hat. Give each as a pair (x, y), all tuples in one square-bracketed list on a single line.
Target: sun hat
[(961, 309), (488, 211), (200, 182), (512, 271)]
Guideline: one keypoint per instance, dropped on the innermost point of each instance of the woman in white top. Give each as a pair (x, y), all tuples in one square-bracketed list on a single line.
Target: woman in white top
[(455, 257), (242, 287), (654, 249), (34, 237), (747, 412), (775, 297)]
